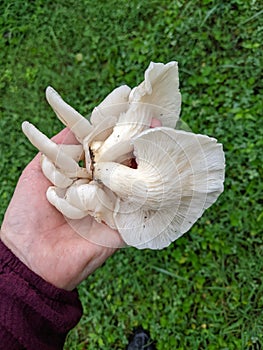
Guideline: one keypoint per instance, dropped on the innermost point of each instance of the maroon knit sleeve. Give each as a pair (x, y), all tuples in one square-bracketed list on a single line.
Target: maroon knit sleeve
[(33, 313)]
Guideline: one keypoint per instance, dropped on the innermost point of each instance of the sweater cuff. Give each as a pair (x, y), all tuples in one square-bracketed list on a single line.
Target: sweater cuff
[(34, 314)]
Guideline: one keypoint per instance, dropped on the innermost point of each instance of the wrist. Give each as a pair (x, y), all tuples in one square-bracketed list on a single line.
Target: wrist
[(4, 238), (17, 245)]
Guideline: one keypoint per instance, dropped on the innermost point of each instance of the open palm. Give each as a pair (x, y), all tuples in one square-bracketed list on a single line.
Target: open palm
[(44, 240)]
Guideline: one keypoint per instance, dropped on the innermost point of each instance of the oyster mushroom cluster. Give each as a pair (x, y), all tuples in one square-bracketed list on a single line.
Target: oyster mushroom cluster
[(150, 184)]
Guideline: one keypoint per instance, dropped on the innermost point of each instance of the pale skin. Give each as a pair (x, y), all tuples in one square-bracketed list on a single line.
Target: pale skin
[(43, 240)]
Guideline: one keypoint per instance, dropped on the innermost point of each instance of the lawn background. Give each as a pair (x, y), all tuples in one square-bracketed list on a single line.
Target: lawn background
[(205, 291)]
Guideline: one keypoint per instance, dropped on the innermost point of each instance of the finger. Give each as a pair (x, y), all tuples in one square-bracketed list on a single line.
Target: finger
[(155, 123), (65, 137), (96, 233)]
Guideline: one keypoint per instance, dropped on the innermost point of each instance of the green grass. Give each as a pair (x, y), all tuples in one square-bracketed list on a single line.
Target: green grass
[(205, 291)]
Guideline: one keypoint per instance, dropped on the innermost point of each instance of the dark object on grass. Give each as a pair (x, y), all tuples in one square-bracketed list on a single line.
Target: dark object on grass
[(140, 340)]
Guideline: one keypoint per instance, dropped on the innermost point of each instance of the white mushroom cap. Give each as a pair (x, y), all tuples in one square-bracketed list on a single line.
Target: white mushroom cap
[(179, 175), (158, 96), (116, 103), (159, 92)]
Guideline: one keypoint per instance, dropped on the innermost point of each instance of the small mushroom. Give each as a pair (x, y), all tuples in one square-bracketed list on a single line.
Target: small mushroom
[(79, 125), (59, 162), (60, 178), (56, 196), (61, 159)]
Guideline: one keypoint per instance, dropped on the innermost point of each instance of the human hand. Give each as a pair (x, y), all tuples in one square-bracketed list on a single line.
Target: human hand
[(44, 240)]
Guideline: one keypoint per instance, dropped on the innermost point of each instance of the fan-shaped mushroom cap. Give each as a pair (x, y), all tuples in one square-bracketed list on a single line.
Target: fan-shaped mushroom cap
[(159, 92), (116, 103), (157, 97), (179, 175)]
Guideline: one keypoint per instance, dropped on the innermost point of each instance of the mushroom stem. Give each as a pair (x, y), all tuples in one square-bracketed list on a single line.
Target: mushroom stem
[(50, 149), (53, 174), (126, 128), (79, 125), (122, 180)]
